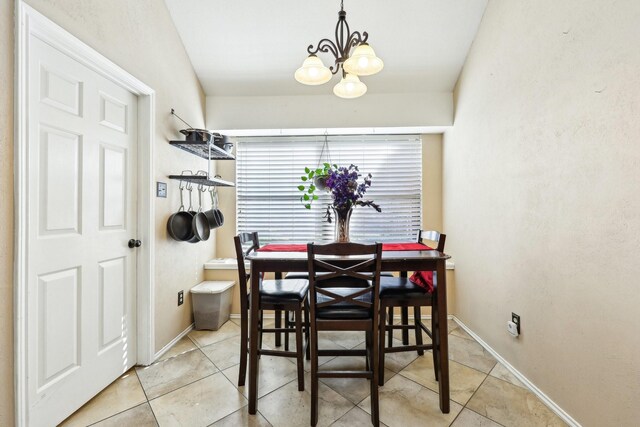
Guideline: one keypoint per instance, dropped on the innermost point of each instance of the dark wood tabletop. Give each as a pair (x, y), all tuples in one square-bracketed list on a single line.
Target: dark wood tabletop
[(429, 260)]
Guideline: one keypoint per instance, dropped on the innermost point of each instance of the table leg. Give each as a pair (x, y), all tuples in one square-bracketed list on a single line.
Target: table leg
[(278, 321), (443, 338), (404, 317), (253, 339)]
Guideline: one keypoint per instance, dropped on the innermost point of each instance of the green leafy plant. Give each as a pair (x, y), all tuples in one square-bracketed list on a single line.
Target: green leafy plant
[(341, 182), (312, 181)]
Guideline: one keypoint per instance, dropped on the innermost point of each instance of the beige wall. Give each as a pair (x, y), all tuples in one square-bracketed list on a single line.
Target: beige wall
[(329, 111), (432, 182), (6, 212), (140, 37), (542, 199)]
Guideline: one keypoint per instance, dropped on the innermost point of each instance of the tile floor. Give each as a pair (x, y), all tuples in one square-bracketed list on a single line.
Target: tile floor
[(194, 384)]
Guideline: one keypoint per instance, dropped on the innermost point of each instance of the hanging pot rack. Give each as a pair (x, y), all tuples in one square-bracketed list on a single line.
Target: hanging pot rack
[(202, 144), (206, 144), (202, 178)]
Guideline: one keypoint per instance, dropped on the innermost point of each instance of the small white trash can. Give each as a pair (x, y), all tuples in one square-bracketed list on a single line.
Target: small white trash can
[(211, 302)]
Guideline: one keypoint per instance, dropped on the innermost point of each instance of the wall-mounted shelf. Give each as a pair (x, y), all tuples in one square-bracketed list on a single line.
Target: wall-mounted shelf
[(202, 143), (204, 180), (205, 149)]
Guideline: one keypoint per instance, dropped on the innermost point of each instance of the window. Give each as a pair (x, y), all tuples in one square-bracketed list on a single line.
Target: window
[(268, 171)]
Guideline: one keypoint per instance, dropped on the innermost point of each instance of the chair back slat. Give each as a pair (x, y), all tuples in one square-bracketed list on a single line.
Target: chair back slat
[(244, 243), (433, 236), (436, 237), (351, 298), (336, 271), (344, 249), (343, 261)]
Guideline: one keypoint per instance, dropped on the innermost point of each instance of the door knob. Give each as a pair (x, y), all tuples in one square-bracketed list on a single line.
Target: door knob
[(134, 243)]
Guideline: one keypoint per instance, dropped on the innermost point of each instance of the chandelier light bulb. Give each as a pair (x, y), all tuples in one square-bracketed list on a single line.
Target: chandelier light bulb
[(313, 72), (363, 61), (350, 87)]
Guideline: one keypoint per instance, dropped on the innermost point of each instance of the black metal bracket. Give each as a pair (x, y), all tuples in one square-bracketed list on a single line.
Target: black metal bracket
[(201, 178)]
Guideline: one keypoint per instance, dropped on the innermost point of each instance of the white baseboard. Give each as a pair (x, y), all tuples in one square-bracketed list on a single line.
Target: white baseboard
[(167, 347), (531, 386)]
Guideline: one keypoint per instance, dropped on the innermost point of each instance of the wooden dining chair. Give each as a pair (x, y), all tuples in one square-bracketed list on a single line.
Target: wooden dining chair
[(343, 296), (289, 295), (401, 292)]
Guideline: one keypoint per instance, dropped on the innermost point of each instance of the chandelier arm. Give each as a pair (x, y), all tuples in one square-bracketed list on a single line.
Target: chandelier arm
[(341, 26), (336, 69), (324, 45), (356, 38)]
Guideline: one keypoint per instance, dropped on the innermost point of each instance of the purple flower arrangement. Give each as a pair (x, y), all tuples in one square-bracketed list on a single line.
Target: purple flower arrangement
[(342, 183)]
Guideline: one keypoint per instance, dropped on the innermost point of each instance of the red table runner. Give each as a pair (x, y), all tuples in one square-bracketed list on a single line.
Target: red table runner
[(302, 247), (423, 279)]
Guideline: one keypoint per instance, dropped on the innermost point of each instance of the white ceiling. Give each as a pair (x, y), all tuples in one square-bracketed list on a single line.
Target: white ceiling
[(253, 47)]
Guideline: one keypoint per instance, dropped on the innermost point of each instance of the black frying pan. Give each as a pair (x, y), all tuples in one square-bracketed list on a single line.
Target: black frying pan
[(214, 215), (200, 223), (193, 238), (179, 225)]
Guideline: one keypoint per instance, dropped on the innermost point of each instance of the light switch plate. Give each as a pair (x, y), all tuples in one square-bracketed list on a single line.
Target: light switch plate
[(161, 189)]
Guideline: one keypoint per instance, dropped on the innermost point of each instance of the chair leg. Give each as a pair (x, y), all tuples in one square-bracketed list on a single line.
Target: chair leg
[(278, 324), (244, 337), (405, 321), (435, 326), (314, 377), (390, 343), (307, 327), (417, 322), (383, 312), (367, 346), (375, 407), (287, 324), (260, 327), (299, 348)]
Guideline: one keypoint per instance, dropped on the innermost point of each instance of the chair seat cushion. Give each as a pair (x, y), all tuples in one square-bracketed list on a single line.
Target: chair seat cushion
[(343, 310), (277, 290), (297, 275), (401, 287)]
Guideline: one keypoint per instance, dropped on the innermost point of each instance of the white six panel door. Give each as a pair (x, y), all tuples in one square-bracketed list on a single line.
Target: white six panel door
[(81, 214)]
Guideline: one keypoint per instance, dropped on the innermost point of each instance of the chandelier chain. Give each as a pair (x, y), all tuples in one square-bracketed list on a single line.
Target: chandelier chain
[(325, 145)]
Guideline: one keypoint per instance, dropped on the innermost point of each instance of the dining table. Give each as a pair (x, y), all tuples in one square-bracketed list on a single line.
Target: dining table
[(397, 257)]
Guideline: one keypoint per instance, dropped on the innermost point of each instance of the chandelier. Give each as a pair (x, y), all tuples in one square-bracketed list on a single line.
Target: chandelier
[(361, 62)]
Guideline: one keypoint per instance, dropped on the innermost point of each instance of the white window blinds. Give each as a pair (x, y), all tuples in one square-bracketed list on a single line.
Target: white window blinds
[(268, 171)]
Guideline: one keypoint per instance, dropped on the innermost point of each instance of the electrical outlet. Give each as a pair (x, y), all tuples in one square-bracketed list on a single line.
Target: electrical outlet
[(161, 189), (180, 298), (516, 319)]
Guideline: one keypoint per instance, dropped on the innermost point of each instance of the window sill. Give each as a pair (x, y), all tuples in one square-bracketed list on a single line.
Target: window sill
[(222, 264)]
